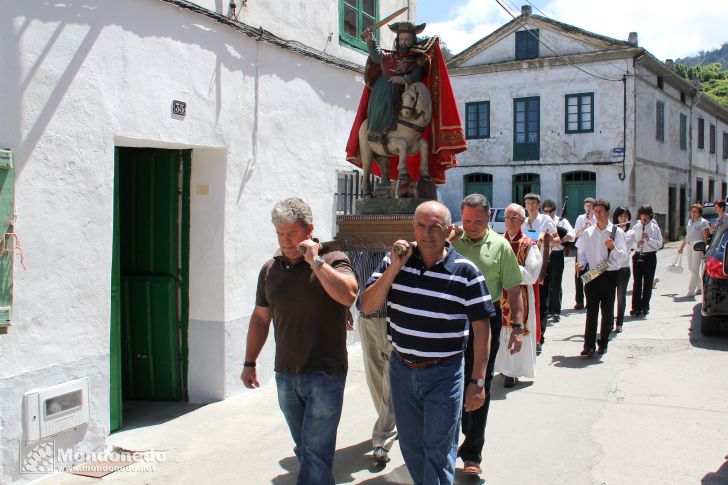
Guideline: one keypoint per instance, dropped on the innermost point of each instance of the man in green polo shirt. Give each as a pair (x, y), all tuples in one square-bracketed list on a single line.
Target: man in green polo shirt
[(493, 255)]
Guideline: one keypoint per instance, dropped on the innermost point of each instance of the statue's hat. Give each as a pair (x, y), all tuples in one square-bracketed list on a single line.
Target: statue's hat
[(398, 27)]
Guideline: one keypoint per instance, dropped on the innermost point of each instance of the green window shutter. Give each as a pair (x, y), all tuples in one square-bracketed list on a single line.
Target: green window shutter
[(526, 128), (701, 133), (477, 120), (660, 121), (526, 44), (7, 256), (683, 132), (354, 17), (579, 113)]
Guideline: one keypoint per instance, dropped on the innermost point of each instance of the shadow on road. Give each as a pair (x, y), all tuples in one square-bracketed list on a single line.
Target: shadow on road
[(347, 461), (697, 339), (399, 476), (498, 392), (718, 477), (574, 361)]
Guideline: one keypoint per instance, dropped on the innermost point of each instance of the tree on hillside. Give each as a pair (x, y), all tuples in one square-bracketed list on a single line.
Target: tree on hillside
[(713, 79)]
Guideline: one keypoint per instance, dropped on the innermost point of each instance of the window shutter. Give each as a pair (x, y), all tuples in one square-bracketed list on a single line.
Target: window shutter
[(7, 255)]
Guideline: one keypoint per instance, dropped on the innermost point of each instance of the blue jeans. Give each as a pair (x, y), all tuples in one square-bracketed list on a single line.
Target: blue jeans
[(427, 407), (311, 404)]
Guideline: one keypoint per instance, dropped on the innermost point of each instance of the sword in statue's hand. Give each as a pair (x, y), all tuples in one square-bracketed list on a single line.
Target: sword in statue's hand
[(369, 30)]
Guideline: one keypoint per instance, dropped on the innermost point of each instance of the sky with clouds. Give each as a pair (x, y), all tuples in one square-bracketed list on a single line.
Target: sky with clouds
[(669, 29)]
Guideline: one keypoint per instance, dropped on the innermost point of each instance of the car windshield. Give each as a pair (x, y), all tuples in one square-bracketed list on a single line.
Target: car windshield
[(500, 215), (718, 249)]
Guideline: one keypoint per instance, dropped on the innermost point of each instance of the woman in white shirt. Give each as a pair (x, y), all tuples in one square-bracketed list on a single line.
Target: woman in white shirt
[(622, 217), (696, 231)]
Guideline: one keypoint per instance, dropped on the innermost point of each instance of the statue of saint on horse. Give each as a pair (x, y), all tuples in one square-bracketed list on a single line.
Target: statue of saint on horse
[(407, 119)]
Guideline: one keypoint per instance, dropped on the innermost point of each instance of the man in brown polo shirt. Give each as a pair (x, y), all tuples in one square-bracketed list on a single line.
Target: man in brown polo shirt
[(306, 297)]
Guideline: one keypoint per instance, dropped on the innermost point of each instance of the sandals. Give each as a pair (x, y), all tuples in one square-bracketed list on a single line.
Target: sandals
[(471, 468)]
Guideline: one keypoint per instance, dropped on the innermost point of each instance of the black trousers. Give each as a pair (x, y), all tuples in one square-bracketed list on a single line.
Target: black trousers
[(578, 284), (644, 276), (554, 276), (473, 422), (622, 283), (599, 296)]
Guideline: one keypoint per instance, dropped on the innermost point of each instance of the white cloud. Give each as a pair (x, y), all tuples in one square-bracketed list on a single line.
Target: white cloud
[(667, 28), (468, 24)]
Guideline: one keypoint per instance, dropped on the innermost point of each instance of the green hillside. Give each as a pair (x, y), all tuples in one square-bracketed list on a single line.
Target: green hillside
[(710, 68)]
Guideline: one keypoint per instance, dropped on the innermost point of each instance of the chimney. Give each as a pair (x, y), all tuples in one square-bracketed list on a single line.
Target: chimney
[(526, 11), (632, 39), (670, 64)]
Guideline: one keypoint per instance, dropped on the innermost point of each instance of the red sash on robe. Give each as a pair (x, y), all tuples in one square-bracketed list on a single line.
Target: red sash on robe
[(445, 135), (521, 245)]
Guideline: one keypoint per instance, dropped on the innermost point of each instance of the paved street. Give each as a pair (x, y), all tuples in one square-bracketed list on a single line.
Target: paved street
[(654, 410)]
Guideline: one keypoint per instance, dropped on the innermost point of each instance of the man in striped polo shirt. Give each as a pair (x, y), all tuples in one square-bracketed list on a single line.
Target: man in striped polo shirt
[(431, 294)]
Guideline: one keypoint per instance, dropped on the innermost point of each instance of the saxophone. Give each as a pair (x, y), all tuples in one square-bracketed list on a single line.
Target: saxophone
[(593, 273)]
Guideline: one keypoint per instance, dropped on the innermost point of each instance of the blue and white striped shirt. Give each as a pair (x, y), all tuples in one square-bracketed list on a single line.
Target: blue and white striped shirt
[(429, 310)]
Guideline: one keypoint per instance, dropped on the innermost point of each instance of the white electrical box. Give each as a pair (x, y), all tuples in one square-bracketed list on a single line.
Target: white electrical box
[(56, 409)]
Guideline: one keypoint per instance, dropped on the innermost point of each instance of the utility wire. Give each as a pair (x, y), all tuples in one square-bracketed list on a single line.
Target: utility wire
[(569, 35), (552, 50)]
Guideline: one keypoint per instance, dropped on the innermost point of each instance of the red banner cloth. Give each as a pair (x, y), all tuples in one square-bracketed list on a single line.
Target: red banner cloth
[(445, 135)]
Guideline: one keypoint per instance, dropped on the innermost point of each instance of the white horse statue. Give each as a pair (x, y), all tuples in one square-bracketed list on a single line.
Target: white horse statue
[(406, 139)]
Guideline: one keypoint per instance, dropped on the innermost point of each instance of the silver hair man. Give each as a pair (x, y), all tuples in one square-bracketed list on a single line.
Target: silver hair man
[(517, 208), (290, 210)]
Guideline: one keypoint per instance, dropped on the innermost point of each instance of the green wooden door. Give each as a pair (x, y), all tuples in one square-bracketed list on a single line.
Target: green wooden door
[(479, 183), (523, 183), (578, 186), (153, 234)]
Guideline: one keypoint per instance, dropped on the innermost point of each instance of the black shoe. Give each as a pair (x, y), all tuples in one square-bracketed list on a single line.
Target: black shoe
[(645, 312), (635, 313), (539, 348), (602, 349), (556, 317), (587, 352), (579, 306), (509, 381)]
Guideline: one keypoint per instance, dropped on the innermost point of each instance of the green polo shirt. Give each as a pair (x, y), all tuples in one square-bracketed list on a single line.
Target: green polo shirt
[(495, 259)]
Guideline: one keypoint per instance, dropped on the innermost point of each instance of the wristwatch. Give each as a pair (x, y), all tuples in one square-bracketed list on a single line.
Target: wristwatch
[(317, 261), (478, 382), (517, 326)]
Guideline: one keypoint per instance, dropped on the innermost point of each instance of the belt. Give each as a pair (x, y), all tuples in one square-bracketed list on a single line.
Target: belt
[(497, 304), (427, 363)]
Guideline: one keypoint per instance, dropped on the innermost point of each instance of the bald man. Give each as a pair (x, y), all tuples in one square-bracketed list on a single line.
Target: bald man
[(432, 292)]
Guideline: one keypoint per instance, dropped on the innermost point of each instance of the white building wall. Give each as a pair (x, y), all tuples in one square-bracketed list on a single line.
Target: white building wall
[(310, 23), (504, 48), (560, 152), (263, 124)]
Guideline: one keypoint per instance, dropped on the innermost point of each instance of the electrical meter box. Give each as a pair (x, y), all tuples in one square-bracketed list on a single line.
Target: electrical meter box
[(55, 409)]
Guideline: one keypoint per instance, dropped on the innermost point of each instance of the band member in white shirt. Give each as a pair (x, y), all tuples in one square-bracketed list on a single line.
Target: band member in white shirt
[(583, 222), (696, 231), (649, 240), (602, 248), (551, 297), (540, 228), (623, 218)]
